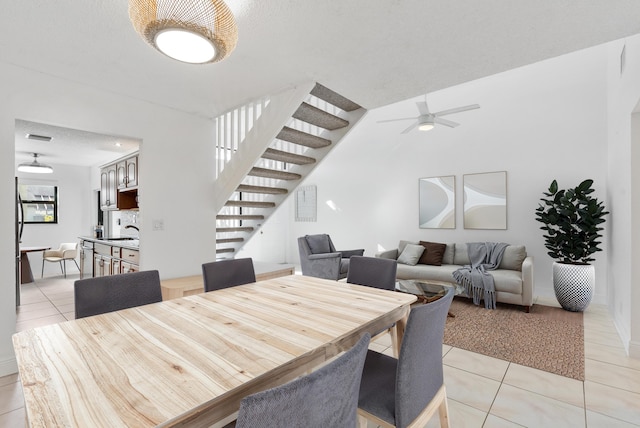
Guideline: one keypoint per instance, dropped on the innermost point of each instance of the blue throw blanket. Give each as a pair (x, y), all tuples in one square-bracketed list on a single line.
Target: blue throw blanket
[(478, 283)]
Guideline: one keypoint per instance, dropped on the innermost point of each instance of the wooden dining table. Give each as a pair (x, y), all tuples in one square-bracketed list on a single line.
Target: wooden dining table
[(189, 361)]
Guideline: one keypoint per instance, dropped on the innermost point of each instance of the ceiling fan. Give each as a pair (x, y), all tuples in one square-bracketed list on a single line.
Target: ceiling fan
[(427, 120)]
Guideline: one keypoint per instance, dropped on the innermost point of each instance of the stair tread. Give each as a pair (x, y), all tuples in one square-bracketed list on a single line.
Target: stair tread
[(225, 250), (302, 138), (261, 189), (234, 229), (239, 217), (228, 240), (334, 98), (273, 173), (282, 156), (315, 116), (250, 204)]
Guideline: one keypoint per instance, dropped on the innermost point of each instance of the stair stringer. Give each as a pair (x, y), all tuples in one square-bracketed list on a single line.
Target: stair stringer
[(280, 109)]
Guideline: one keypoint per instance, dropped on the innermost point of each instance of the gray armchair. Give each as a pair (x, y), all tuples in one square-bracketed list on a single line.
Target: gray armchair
[(319, 258)]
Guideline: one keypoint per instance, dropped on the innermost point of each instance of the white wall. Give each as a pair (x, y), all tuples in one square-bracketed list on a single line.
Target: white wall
[(624, 188), (176, 174), (74, 213)]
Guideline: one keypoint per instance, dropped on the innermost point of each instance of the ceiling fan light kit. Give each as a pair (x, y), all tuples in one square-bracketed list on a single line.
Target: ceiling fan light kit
[(426, 124), (191, 31), (35, 166)]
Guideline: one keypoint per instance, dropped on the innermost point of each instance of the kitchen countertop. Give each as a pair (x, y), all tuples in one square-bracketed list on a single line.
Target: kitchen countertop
[(132, 244)]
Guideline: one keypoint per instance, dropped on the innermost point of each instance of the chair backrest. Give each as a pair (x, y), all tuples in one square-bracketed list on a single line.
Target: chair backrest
[(373, 272), (320, 244), (227, 273), (419, 375), (328, 397), (103, 294)]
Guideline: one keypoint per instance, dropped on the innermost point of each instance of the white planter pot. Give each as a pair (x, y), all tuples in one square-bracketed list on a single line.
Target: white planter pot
[(573, 285)]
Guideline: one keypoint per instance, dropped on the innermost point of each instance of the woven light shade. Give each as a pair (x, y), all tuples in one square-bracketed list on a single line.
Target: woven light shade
[(171, 25)]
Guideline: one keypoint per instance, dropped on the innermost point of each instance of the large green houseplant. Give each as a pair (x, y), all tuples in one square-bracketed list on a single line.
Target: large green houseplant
[(572, 221)]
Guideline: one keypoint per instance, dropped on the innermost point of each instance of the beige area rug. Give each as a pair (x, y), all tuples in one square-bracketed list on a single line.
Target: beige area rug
[(547, 338)]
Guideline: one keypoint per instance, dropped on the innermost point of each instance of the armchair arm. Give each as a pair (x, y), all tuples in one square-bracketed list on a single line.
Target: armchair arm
[(324, 256), (69, 254), (325, 265), (349, 253), (52, 253)]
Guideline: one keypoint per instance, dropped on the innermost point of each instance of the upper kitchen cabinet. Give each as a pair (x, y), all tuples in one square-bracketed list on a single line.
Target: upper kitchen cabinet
[(127, 173), (118, 184)]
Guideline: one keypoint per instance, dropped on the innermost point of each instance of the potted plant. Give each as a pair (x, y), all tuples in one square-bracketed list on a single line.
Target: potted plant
[(572, 220)]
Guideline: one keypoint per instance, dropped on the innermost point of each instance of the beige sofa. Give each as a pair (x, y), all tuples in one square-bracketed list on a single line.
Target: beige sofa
[(513, 279)]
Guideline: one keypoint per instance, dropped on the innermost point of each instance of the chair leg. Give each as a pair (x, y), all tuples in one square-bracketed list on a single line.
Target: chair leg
[(42, 273), (64, 268), (443, 411), (61, 268), (77, 265)]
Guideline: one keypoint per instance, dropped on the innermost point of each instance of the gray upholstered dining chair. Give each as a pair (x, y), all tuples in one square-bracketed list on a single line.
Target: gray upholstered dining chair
[(373, 272), (94, 296), (327, 397), (227, 273), (66, 251), (319, 257), (378, 273), (407, 391)]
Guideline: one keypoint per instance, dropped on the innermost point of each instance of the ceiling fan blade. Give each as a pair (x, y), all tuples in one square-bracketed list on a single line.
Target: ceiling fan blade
[(413, 125), (423, 108), (395, 120), (445, 122), (457, 110)]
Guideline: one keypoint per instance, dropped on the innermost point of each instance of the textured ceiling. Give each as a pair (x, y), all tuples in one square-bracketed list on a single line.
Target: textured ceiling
[(373, 52)]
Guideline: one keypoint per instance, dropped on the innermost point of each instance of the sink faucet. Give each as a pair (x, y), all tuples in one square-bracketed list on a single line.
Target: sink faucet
[(130, 226)]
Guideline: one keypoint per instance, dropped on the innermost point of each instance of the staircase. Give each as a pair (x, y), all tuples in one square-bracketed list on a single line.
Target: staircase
[(269, 150)]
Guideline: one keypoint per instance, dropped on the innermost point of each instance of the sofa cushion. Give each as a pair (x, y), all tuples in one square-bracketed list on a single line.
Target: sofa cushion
[(442, 273), (411, 254), (513, 257), (447, 257), (507, 281), (318, 244), (460, 256), (433, 252)]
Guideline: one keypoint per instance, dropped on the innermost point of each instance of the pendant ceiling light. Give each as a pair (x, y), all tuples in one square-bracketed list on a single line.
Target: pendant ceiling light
[(35, 166), (193, 31)]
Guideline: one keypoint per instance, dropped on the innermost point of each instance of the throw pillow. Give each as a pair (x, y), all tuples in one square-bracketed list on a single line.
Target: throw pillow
[(513, 257), (318, 244), (433, 253), (411, 254)]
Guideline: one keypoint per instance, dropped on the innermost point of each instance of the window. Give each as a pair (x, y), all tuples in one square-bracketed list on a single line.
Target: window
[(39, 203)]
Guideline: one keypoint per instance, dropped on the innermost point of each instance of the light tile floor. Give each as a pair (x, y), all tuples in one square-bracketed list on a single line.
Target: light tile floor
[(483, 391)]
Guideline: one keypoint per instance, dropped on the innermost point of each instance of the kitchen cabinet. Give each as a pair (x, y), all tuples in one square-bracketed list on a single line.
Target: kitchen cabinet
[(110, 259), (101, 265), (118, 185), (127, 173), (108, 190)]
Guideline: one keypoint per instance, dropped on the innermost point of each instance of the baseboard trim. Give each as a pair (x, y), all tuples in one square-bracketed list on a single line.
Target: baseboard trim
[(8, 367)]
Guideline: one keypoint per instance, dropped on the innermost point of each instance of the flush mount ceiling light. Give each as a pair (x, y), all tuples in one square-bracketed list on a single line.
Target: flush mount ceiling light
[(35, 166), (193, 31)]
